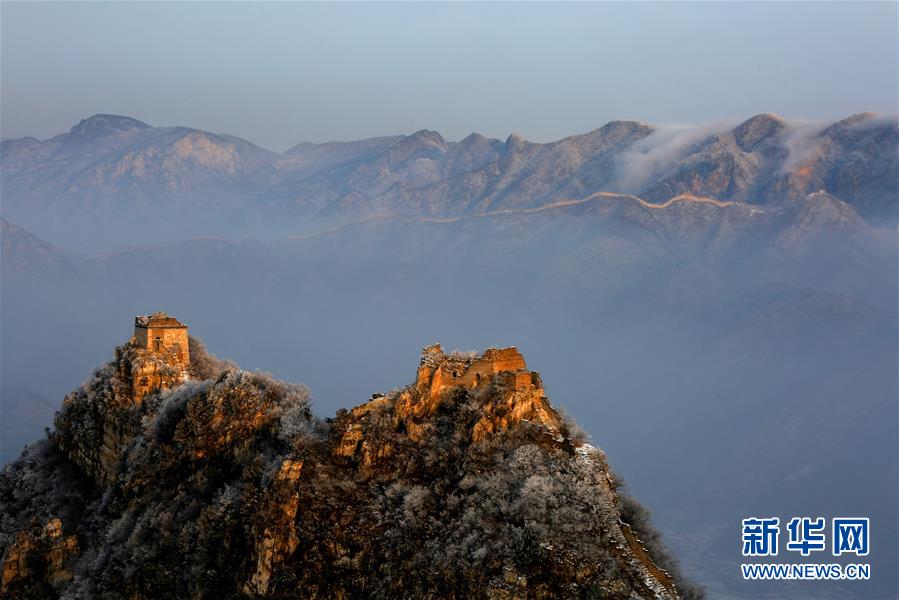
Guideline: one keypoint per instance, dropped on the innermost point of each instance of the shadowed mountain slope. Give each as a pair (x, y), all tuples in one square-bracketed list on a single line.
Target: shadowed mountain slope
[(466, 482)]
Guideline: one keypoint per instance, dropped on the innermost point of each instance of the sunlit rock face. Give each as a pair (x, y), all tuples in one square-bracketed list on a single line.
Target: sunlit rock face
[(275, 537), (103, 417), (516, 394), (505, 392), (217, 482), (45, 555)]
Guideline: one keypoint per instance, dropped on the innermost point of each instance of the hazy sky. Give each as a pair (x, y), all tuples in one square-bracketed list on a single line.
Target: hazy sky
[(279, 73)]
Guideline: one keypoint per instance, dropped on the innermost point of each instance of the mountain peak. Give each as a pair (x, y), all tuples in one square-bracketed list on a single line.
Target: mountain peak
[(624, 125), (473, 139), (515, 140), (857, 118), (846, 124), (103, 124), (615, 133), (472, 429), (753, 131), (426, 136)]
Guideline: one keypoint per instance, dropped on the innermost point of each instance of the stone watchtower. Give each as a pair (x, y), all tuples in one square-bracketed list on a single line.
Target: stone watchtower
[(162, 334), (165, 360)]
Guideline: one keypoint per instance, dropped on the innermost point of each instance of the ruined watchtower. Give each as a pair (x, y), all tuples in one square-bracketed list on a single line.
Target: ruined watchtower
[(162, 334), (163, 357)]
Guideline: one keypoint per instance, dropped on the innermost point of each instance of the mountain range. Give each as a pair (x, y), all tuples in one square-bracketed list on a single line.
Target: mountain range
[(727, 293), (146, 184)]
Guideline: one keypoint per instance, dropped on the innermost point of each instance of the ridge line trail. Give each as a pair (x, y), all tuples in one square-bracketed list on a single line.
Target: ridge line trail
[(686, 198)]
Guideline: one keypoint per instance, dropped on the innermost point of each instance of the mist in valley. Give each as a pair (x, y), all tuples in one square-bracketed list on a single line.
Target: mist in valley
[(723, 378), (709, 289)]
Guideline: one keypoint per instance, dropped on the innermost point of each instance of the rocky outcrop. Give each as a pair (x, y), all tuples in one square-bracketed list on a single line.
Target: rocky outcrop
[(517, 393), (45, 557), (510, 394), (507, 394), (465, 483), (275, 534), (151, 372), (102, 419)]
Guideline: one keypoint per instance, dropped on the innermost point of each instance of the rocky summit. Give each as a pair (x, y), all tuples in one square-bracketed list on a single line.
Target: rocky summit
[(173, 474)]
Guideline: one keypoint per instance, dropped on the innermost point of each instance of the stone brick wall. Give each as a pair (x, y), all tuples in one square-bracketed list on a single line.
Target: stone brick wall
[(141, 337), (163, 356), (440, 371), (171, 340)]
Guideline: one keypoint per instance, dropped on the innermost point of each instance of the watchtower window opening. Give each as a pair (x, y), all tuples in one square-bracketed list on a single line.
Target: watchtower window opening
[(157, 341)]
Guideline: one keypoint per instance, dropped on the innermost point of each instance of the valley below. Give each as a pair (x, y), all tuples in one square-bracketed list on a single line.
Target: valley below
[(718, 310)]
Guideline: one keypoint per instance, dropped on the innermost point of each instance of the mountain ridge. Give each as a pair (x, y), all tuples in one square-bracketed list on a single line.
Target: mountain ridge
[(629, 227), (752, 316), (237, 459), (121, 172)]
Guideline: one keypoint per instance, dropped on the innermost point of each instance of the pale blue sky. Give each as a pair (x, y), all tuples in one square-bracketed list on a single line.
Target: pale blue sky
[(280, 73)]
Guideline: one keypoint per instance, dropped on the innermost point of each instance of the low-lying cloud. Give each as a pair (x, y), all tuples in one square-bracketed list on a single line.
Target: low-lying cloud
[(650, 157)]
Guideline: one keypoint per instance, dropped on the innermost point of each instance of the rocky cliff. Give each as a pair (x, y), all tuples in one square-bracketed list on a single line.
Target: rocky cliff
[(465, 483)]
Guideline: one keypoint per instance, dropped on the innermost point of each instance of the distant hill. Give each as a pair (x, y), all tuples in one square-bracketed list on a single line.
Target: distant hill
[(114, 180), (26, 256)]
